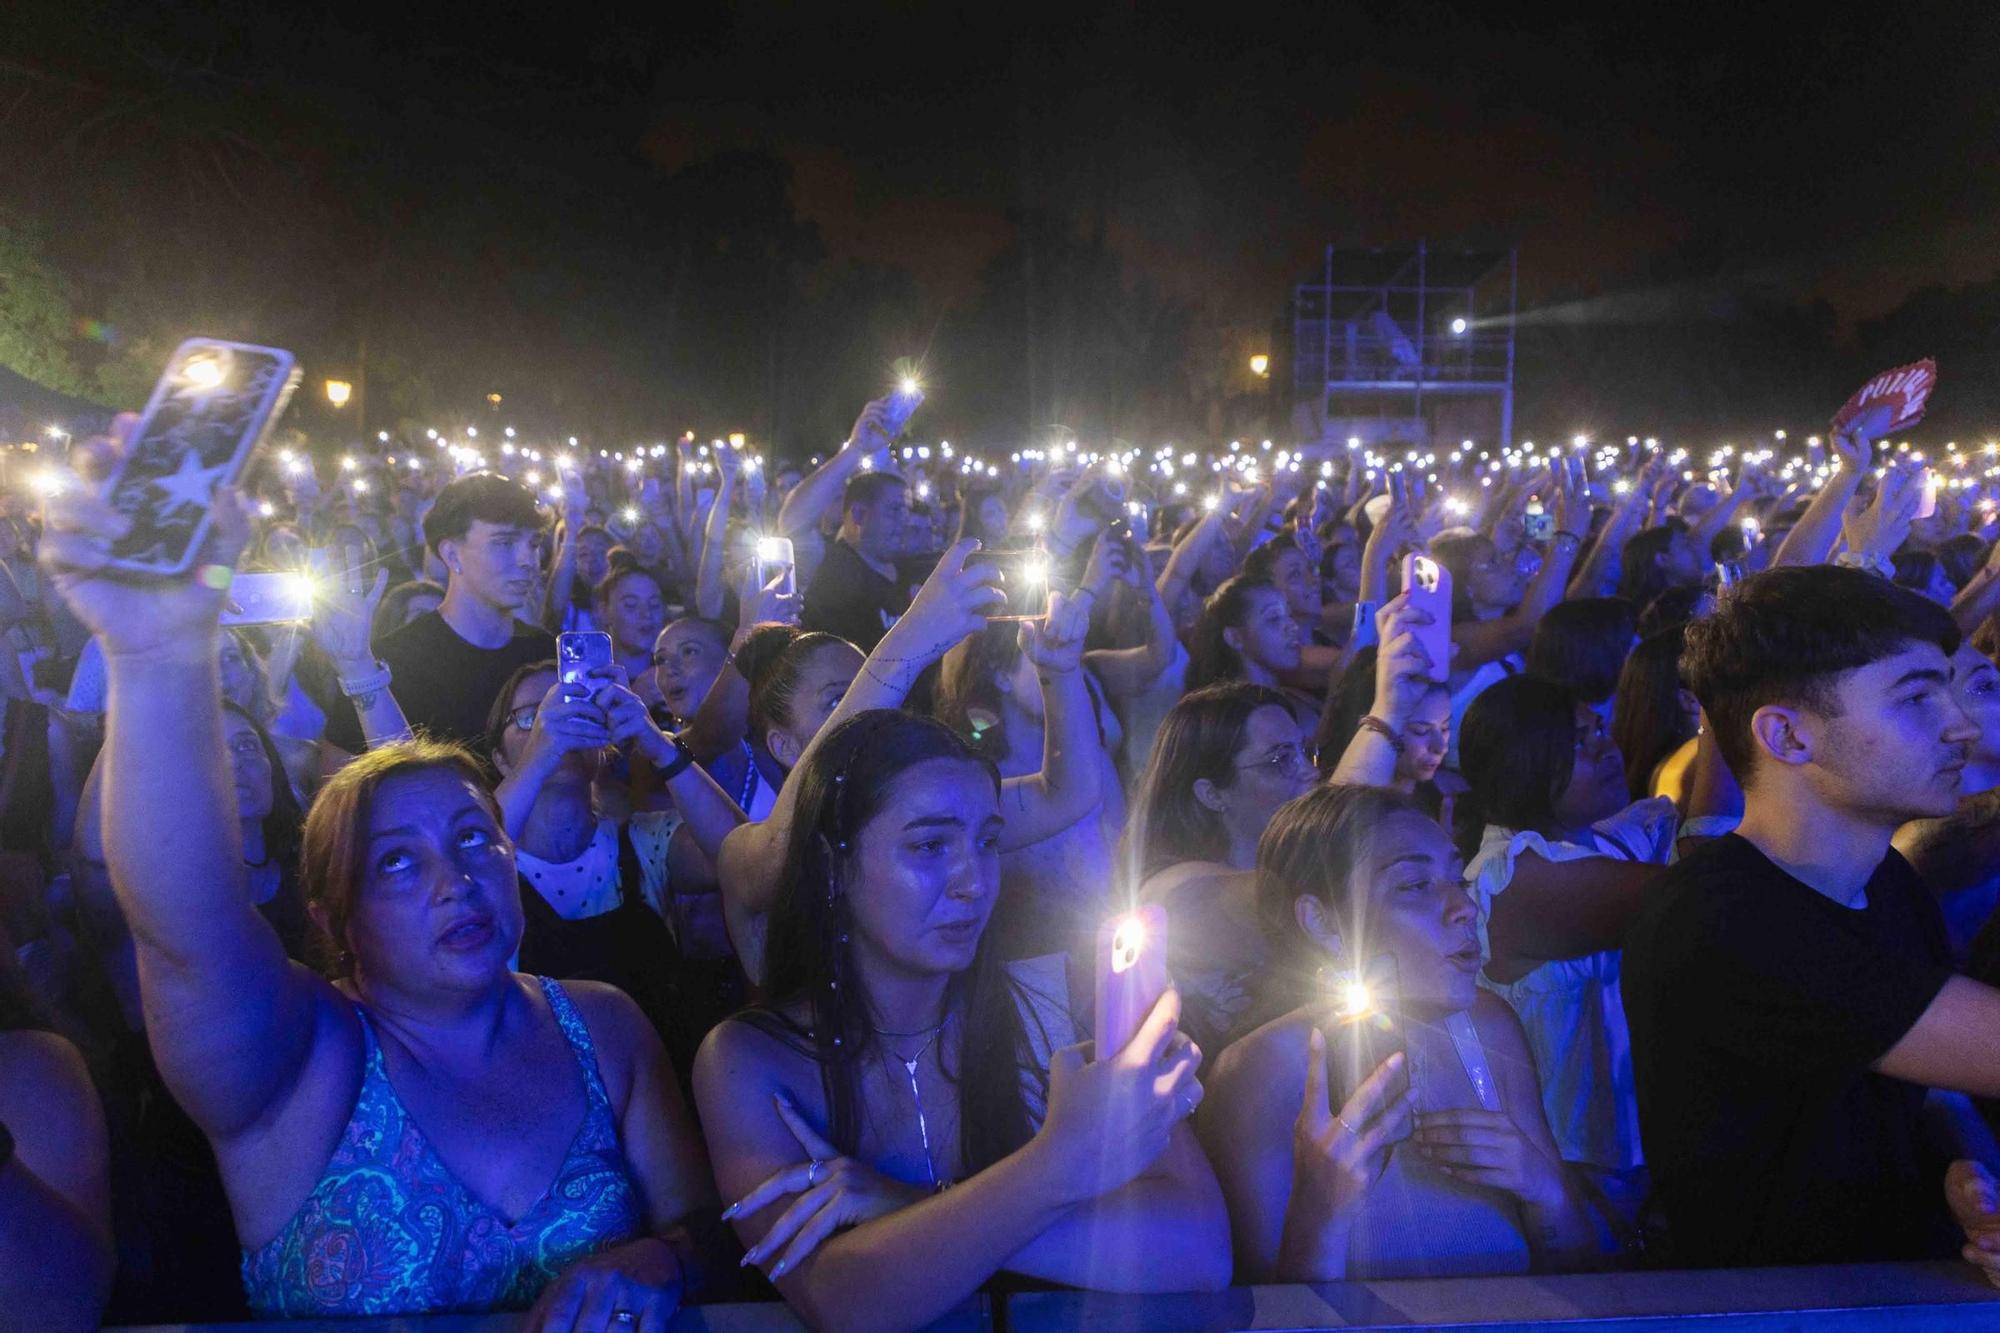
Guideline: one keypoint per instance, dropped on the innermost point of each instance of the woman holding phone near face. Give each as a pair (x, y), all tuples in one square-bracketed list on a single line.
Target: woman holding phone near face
[(1439, 1163), (897, 1057)]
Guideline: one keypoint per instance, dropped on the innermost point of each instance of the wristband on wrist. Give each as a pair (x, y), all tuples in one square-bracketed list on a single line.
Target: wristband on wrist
[(1865, 560), (369, 684), (1369, 722), (678, 765)]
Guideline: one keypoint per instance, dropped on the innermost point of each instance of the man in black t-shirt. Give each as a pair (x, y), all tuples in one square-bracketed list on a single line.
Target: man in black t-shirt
[(858, 592), (1788, 988), (446, 667)]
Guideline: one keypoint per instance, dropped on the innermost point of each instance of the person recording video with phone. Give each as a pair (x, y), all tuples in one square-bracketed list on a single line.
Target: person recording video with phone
[(896, 1056), (1425, 1152)]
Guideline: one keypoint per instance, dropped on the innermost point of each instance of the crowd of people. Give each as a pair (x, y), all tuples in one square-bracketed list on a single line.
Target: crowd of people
[(1623, 899)]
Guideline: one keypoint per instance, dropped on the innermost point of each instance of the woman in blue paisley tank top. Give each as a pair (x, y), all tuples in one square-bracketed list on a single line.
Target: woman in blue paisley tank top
[(424, 1129)]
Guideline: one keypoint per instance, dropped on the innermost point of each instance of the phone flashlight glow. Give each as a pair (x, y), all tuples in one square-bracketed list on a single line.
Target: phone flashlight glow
[(1126, 943), (1355, 1000)]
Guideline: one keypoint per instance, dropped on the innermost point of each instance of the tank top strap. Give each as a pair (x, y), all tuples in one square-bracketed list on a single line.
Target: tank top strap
[(578, 1036), (372, 1068)]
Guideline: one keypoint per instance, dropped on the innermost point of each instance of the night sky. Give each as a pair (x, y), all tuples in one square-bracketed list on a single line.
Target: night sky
[(1655, 164)]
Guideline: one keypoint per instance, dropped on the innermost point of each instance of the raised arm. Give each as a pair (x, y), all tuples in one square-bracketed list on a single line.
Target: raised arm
[(706, 810), (1481, 641), (341, 621), (950, 605), (562, 575), (562, 726), (1722, 511), (1043, 804), (1597, 576), (1178, 576), (1402, 675), (1396, 532), (231, 1020), (1125, 671), (1810, 542), (1980, 597), (820, 489), (715, 540)]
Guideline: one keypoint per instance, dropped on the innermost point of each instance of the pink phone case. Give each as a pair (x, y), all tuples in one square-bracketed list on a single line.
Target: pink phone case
[(1131, 974), (1429, 585)]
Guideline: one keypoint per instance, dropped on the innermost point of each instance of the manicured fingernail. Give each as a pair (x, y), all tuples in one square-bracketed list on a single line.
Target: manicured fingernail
[(730, 1211), (779, 1270), (749, 1257)]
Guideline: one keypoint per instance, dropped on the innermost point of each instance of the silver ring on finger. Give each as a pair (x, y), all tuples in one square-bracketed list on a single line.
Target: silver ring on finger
[(812, 1171), (1351, 1131), (624, 1318)]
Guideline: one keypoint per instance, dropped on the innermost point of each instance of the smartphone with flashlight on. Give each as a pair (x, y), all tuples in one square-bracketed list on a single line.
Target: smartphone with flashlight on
[(1023, 576), (208, 413), (1538, 524), (903, 404), (1927, 506), (1131, 975), (1364, 1027), (1429, 586), (582, 655), (774, 557), (276, 598), (342, 571)]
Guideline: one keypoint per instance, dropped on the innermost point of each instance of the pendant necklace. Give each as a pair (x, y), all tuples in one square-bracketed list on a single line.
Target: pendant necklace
[(916, 1094)]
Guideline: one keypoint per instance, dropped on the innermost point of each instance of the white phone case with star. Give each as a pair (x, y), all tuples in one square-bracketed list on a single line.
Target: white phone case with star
[(209, 412)]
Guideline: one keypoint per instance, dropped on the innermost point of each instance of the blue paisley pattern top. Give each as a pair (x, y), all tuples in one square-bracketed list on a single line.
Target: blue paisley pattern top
[(390, 1231)]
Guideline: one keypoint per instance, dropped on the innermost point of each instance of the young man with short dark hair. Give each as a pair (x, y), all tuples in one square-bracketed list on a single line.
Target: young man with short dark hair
[(857, 591), (446, 667), (1788, 987)]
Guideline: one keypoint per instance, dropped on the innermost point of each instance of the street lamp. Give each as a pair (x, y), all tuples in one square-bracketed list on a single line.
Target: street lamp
[(1260, 365), (338, 392)]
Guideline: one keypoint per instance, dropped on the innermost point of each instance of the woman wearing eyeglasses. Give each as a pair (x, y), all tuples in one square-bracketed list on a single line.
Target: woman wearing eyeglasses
[(1559, 863), (630, 901), (1225, 759)]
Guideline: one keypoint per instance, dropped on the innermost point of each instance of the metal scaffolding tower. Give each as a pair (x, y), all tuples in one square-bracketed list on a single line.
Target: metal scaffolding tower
[(1414, 344)]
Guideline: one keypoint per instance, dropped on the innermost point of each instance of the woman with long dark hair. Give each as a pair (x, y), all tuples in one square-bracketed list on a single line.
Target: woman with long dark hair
[(1653, 717), (1247, 632), (1437, 1161), (897, 1056), (1560, 858), (952, 604), (1227, 757)]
